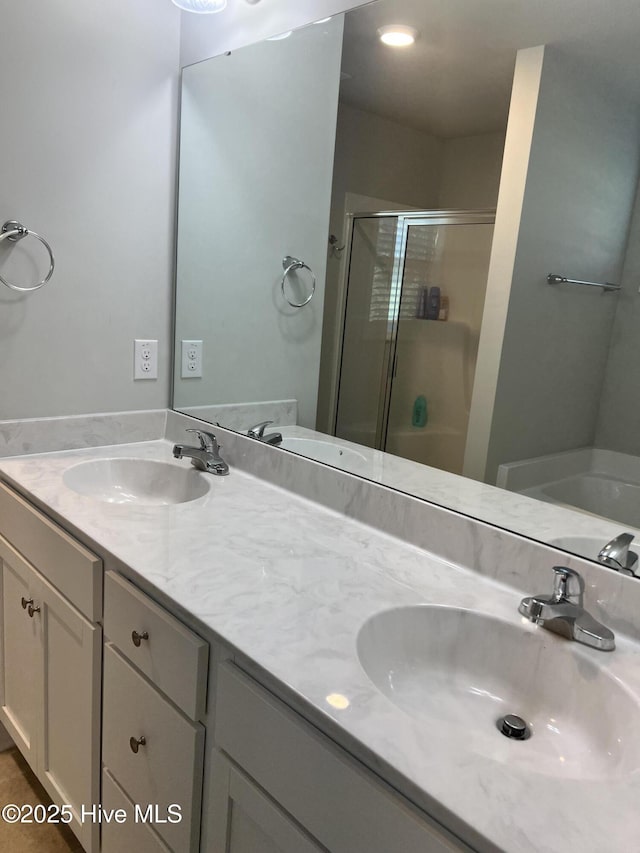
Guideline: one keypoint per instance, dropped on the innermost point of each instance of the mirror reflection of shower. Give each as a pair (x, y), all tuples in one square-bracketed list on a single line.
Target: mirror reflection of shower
[(413, 301)]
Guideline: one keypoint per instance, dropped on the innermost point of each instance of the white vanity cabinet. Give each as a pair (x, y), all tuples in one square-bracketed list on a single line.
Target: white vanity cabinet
[(275, 783), (50, 654), (280, 786), (155, 682)]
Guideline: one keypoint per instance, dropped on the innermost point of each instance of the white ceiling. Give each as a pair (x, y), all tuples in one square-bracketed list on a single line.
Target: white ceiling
[(456, 79)]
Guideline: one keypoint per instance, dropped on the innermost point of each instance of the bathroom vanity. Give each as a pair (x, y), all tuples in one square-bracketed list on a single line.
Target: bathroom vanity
[(272, 777), (285, 678), (323, 650)]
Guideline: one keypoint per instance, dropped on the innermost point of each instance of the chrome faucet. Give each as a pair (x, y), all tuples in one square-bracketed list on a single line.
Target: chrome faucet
[(206, 457), (563, 613), (616, 555), (257, 432)]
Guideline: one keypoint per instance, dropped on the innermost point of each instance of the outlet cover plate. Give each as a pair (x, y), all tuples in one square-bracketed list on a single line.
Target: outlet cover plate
[(145, 359), (191, 360)]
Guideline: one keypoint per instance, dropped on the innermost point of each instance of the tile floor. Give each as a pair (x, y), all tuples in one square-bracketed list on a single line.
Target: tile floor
[(18, 785)]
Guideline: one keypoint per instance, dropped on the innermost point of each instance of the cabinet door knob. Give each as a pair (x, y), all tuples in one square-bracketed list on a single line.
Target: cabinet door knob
[(26, 602), (137, 638), (136, 743), (31, 610)]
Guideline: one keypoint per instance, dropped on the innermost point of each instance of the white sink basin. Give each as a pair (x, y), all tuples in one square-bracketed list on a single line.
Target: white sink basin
[(460, 671), (144, 482), (325, 451)]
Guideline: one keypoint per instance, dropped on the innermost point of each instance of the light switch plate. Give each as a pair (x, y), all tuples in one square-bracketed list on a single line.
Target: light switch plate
[(191, 360), (145, 359)]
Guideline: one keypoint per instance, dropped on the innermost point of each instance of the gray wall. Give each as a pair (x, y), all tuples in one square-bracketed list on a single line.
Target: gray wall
[(619, 417), (582, 176), (88, 159), (384, 159), (248, 199), (471, 171)]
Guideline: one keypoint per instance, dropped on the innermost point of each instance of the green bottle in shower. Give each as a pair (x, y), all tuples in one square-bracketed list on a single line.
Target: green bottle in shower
[(419, 417)]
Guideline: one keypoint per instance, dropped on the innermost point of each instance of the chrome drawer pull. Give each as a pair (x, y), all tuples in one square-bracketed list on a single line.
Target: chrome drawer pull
[(137, 638), (136, 743), (31, 610), (26, 602)]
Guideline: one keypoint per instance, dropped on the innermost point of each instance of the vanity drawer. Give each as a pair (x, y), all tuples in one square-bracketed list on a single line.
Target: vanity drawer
[(131, 835), (167, 769), (68, 565), (310, 777), (171, 656)]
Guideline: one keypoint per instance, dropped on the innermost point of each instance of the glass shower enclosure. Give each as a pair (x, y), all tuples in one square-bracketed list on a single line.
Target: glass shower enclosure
[(407, 363)]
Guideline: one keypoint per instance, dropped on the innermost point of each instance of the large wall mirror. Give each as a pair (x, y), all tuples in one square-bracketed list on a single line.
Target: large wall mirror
[(421, 264)]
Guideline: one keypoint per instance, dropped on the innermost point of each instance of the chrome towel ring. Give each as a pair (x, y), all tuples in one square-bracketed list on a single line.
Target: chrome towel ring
[(14, 231), (290, 264)]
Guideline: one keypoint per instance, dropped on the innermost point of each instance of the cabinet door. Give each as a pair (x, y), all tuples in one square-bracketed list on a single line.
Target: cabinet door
[(21, 665), (69, 758), (245, 820), (310, 777)]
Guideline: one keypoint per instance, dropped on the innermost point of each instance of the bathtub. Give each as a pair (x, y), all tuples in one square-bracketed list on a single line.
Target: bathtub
[(600, 482)]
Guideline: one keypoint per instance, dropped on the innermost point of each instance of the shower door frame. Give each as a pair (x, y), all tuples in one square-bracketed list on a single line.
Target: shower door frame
[(406, 219)]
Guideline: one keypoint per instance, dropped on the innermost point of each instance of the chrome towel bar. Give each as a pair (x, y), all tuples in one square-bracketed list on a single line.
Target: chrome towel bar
[(14, 231), (560, 279)]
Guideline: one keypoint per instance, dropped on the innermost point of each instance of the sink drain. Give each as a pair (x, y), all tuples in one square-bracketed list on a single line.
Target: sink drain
[(513, 727)]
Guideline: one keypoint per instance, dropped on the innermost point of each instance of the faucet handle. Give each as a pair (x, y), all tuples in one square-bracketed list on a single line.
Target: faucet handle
[(257, 431), (207, 440), (568, 585)]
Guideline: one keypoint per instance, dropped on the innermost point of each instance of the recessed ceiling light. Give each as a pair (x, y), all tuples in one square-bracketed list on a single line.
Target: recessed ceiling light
[(396, 35), (201, 7)]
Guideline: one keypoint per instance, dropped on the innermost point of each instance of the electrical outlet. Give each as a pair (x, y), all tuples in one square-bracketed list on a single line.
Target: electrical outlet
[(191, 360), (145, 359)]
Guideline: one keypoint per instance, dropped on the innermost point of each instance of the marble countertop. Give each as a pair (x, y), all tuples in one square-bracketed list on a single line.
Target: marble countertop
[(288, 584), (525, 513)]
